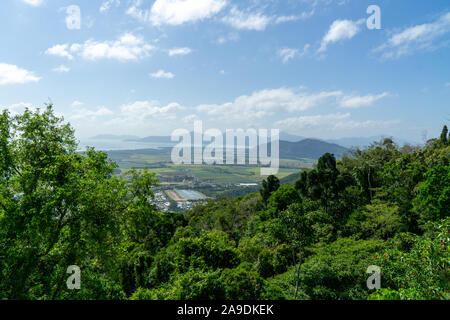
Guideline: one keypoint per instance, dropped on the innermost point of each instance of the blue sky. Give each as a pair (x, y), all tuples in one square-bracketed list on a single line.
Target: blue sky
[(307, 67)]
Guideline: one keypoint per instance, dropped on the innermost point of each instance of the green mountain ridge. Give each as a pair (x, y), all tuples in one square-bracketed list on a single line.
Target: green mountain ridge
[(304, 149)]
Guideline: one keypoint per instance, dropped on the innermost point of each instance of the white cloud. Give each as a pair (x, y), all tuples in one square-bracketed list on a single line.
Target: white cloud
[(142, 110), (233, 36), (179, 51), (89, 114), (264, 108), (287, 54), (247, 20), (34, 3), (316, 3), (11, 74), (127, 47), (18, 108), (258, 21), (283, 19), (161, 74), (136, 117), (302, 16), (309, 122), (447, 84), (330, 122), (176, 12), (60, 50), (106, 5), (136, 12), (355, 102), (190, 118), (419, 37), (222, 40), (340, 30), (267, 102), (76, 103), (61, 69)]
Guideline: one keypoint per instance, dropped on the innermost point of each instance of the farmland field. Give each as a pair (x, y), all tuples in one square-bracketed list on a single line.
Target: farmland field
[(167, 172)]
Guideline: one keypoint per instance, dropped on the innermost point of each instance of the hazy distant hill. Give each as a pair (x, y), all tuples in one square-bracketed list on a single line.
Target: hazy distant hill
[(290, 179), (309, 148), (153, 139), (348, 142), (166, 139), (305, 149), (362, 142), (290, 137), (113, 137)]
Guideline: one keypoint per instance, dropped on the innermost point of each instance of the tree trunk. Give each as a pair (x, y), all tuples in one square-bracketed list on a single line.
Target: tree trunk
[(297, 277), (370, 184)]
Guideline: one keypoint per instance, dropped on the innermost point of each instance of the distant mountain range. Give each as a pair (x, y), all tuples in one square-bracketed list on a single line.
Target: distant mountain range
[(114, 137), (310, 149), (154, 139), (365, 142), (305, 149), (349, 142), (167, 139), (291, 146), (290, 137)]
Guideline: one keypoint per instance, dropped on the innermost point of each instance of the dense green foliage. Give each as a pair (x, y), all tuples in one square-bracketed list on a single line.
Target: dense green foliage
[(384, 206)]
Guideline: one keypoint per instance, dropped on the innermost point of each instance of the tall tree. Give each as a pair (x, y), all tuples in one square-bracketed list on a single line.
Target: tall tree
[(294, 229), (59, 207), (433, 195), (271, 184), (321, 184), (444, 134)]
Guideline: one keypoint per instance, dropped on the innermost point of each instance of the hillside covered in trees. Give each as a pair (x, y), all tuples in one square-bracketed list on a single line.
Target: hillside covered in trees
[(385, 205)]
